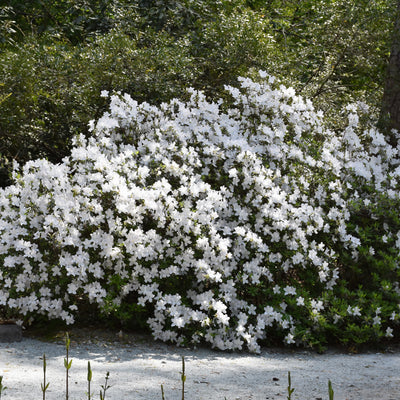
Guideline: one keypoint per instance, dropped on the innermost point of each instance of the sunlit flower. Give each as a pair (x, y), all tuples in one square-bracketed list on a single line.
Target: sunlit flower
[(289, 339), (203, 213)]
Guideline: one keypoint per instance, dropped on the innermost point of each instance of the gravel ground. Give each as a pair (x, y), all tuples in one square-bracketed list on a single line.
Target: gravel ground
[(138, 366)]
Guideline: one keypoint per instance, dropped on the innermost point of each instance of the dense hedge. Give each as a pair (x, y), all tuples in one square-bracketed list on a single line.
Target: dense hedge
[(231, 222)]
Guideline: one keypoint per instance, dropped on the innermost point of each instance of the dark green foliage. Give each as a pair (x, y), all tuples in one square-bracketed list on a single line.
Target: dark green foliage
[(336, 50), (55, 68), (74, 20), (57, 56)]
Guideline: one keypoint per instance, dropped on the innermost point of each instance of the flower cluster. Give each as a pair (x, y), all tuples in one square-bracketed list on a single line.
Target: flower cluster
[(226, 220)]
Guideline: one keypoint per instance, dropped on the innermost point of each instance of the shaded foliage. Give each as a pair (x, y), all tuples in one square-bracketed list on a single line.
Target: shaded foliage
[(57, 56)]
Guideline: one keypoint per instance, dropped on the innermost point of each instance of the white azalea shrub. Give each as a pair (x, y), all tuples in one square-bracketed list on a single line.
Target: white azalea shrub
[(231, 223)]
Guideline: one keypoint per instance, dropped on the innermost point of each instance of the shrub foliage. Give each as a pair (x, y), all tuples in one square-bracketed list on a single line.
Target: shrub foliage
[(231, 223), (56, 57)]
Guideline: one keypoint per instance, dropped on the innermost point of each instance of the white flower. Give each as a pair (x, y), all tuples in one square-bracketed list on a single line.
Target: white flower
[(289, 290), (217, 197), (262, 74), (389, 332), (178, 321), (276, 289), (336, 318), (300, 301), (354, 311), (289, 338), (376, 320), (317, 306), (72, 288)]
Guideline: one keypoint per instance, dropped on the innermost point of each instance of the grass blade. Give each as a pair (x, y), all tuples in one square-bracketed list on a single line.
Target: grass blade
[(2, 387), (330, 389), (289, 389), (105, 387), (183, 378), (67, 364), (44, 386), (89, 379), (162, 392)]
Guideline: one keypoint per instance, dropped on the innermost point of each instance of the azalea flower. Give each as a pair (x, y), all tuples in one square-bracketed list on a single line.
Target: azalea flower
[(207, 214)]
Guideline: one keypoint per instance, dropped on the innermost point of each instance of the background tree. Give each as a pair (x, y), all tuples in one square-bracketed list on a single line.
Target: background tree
[(57, 56), (391, 98)]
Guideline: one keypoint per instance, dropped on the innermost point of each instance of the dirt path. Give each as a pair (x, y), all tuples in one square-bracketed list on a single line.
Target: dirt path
[(138, 366)]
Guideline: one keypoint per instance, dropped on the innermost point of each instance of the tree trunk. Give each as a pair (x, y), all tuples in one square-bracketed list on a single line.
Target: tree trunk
[(390, 118)]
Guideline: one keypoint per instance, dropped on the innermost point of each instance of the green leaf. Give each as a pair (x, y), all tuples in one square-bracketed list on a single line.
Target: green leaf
[(67, 364), (331, 393)]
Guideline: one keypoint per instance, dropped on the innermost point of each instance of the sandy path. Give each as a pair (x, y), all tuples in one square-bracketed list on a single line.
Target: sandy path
[(139, 366)]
